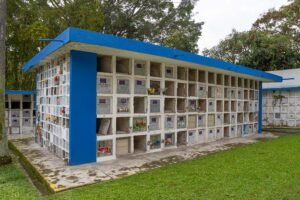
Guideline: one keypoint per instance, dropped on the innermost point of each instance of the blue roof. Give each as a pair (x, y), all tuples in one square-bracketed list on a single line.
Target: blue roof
[(94, 38), (28, 92)]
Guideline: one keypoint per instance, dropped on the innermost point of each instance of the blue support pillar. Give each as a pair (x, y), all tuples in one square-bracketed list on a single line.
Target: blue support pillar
[(260, 108), (83, 73)]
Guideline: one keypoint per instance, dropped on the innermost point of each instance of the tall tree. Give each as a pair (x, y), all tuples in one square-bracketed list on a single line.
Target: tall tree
[(284, 21), (4, 154), (273, 42), (156, 21)]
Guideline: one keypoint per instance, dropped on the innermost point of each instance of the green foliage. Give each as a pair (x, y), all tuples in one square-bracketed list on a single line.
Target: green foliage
[(273, 43), (156, 21), (24, 28), (183, 33)]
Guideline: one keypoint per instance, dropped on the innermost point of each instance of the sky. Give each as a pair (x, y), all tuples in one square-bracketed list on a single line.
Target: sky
[(221, 16)]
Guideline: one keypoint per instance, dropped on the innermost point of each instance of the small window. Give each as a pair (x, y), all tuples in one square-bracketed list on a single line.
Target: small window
[(277, 115), (102, 80), (169, 119), (102, 101), (121, 82), (154, 102), (169, 71), (200, 132), (139, 82), (15, 105), (218, 131), (139, 66), (210, 131), (153, 119)]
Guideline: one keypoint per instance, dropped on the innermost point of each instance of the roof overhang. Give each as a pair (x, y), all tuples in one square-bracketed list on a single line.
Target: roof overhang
[(83, 40), (21, 92)]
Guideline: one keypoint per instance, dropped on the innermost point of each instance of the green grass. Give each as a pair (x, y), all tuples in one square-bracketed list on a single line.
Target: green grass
[(14, 185), (266, 170)]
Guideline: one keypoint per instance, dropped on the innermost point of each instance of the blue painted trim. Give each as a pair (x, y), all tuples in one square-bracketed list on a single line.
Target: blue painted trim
[(286, 79), (83, 73), (50, 48), (26, 92), (260, 107), (281, 89), (99, 39), (50, 40)]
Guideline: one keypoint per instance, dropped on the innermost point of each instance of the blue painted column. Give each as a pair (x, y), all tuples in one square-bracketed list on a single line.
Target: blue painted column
[(83, 73), (260, 108)]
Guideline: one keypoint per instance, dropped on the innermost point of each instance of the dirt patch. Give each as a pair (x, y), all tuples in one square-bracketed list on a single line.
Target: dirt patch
[(4, 160), (122, 174), (231, 145), (46, 171), (25, 141), (161, 162), (263, 139), (72, 178), (282, 131)]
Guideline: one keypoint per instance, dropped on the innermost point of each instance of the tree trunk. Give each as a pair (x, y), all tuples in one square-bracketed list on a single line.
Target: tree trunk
[(4, 154)]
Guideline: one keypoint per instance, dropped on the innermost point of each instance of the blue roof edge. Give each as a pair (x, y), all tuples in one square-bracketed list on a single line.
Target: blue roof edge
[(281, 89), (58, 42), (94, 38), (19, 92)]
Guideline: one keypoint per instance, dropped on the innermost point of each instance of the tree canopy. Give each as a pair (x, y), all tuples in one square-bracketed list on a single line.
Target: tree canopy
[(273, 42), (156, 21)]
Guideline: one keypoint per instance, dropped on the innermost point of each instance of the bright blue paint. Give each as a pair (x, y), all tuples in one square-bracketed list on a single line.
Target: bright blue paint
[(82, 107), (99, 39), (50, 48), (260, 108), (281, 89), (50, 40), (26, 92)]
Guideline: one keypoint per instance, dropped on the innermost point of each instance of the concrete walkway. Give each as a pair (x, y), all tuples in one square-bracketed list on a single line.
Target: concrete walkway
[(61, 177)]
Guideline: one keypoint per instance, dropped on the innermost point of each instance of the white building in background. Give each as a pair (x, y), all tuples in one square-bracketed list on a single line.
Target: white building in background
[(281, 100), (19, 113)]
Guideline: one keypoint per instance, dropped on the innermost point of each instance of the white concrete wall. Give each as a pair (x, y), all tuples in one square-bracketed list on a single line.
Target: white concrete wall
[(53, 80), (281, 108), (218, 95), (19, 121)]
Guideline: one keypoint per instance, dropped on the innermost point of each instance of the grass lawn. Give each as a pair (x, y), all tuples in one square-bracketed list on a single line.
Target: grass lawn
[(266, 170), (14, 185)]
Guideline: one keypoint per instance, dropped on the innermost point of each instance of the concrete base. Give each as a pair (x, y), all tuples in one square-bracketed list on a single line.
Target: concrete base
[(61, 176)]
